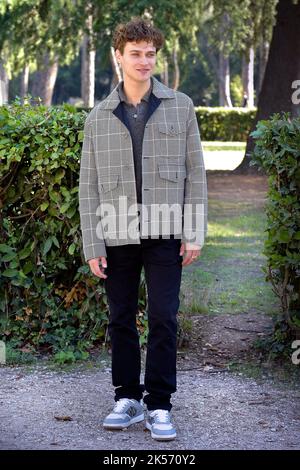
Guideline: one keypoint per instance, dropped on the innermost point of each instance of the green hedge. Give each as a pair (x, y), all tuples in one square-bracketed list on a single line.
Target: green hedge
[(48, 299), (225, 124), (277, 151)]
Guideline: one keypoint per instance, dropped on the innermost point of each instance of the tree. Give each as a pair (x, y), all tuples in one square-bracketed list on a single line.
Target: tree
[(248, 77), (3, 83), (40, 34), (283, 68), (88, 56), (228, 28)]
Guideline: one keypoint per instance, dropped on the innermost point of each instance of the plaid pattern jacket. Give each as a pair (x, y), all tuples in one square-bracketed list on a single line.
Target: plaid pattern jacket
[(173, 174)]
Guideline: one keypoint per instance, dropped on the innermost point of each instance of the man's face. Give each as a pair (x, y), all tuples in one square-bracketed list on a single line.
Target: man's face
[(138, 60)]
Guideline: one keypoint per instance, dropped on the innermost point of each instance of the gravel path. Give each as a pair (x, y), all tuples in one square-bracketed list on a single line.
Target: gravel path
[(211, 411)]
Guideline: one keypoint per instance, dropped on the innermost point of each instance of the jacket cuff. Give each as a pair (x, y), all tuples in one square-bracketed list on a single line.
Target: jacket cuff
[(94, 251)]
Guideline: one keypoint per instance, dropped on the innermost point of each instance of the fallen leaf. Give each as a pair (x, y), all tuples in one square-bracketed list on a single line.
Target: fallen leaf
[(63, 418)]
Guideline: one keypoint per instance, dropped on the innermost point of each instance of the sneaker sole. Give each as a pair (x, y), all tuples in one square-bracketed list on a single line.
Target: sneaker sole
[(158, 437), (136, 419)]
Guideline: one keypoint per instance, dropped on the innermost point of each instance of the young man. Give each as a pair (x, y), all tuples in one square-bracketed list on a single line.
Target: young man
[(143, 203)]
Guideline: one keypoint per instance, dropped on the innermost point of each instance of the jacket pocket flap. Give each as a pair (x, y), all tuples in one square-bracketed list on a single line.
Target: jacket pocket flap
[(172, 172), (171, 128), (108, 182)]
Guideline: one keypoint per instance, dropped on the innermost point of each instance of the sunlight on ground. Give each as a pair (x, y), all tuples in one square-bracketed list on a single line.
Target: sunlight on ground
[(224, 157)]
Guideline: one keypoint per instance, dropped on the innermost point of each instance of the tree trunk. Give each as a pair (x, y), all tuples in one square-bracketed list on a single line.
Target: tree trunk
[(24, 82), (117, 73), (165, 73), (282, 69), (248, 78), (176, 77), (224, 81), (224, 68), (4, 82), (88, 66), (44, 80), (263, 59)]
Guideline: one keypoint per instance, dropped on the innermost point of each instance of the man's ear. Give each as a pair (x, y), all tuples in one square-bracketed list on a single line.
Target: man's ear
[(118, 54)]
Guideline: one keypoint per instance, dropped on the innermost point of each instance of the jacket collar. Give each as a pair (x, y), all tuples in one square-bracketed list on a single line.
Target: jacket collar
[(159, 90), (120, 88)]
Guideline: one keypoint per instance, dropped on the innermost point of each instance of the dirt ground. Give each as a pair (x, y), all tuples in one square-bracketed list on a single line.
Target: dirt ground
[(213, 408), (227, 186), (218, 340)]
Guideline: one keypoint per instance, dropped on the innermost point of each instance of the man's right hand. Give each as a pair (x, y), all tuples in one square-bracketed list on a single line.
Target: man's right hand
[(95, 268)]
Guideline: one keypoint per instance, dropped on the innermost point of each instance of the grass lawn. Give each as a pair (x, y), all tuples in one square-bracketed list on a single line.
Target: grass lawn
[(228, 278), (223, 155), (218, 145)]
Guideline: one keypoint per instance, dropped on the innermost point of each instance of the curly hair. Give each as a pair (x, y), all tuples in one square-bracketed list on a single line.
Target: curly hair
[(136, 30)]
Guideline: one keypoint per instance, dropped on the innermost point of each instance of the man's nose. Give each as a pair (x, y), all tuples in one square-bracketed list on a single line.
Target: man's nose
[(144, 60)]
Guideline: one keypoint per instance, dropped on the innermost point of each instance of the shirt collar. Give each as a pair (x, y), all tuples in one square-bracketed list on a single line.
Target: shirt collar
[(123, 97), (159, 90)]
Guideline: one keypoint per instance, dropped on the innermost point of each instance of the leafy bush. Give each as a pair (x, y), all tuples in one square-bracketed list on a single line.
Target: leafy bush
[(48, 298), (277, 151), (225, 124)]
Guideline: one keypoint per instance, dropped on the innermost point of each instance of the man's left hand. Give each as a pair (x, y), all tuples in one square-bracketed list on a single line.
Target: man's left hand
[(190, 253)]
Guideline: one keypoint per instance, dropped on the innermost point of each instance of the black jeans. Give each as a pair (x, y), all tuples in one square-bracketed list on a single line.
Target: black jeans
[(162, 264)]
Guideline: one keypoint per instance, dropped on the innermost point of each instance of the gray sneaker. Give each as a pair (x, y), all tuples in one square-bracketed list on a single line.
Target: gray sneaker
[(126, 412), (160, 425)]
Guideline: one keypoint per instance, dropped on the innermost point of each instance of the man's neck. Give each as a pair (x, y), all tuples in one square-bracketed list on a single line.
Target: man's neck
[(135, 91)]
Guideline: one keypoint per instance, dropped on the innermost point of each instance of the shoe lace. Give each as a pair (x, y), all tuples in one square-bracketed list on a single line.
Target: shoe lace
[(121, 405), (161, 415)]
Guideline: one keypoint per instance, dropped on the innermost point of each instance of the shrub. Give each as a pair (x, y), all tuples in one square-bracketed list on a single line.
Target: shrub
[(48, 298), (277, 151), (225, 124)]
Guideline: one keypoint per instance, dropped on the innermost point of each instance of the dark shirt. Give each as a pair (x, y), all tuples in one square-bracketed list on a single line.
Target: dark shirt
[(136, 119)]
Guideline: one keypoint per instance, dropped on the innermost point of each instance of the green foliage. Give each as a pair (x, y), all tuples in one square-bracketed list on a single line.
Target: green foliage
[(236, 90), (70, 356), (277, 151), (31, 28), (225, 124), (17, 355), (48, 298), (240, 25)]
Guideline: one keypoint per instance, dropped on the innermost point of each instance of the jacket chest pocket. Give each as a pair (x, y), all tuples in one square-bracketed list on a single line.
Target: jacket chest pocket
[(171, 139), (108, 183), (172, 172)]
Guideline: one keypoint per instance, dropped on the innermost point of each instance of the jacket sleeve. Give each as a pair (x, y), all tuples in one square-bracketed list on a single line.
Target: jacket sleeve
[(195, 196), (89, 200)]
